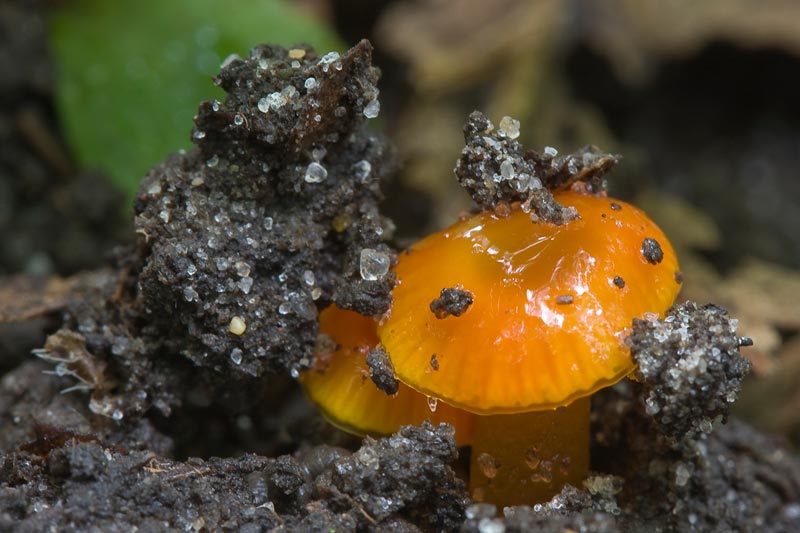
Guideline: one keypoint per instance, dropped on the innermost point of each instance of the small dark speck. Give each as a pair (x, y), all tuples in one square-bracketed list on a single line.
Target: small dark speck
[(651, 251), (679, 276), (619, 282), (615, 206), (564, 299), (603, 215), (434, 362)]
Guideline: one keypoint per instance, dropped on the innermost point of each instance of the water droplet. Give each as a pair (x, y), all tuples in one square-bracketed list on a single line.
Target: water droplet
[(682, 475), (432, 404), (308, 278), (238, 120), (189, 294), (245, 284), (263, 105), (491, 525), (507, 169), (268, 223), (315, 173), (242, 269), (236, 356), (373, 265), (212, 161), (488, 464), (544, 473), (199, 134), (508, 127), (532, 457), (318, 153), (362, 170), (372, 109), (564, 466), (310, 84), (327, 59)]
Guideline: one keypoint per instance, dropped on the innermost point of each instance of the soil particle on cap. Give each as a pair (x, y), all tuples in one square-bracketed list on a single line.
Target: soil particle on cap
[(233, 228), (564, 299), (690, 367), (619, 282), (381, 370), (651, 251), (451, 302), (495, 169)]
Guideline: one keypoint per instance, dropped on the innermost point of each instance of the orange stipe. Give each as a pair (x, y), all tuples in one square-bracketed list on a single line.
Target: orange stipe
[(340, 385), (552, 305)]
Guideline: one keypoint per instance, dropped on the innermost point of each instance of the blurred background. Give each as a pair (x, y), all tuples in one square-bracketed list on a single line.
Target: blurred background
[(700, 99)]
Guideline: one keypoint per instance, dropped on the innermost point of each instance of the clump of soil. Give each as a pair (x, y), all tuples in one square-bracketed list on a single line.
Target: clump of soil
[(246, 238), (496, 170)]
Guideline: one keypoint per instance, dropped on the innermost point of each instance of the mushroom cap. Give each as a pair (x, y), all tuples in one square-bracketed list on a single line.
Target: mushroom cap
[(340, 385), (551, 305)]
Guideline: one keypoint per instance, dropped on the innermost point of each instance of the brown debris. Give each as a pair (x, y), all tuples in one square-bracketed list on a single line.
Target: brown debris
[(26, 297)]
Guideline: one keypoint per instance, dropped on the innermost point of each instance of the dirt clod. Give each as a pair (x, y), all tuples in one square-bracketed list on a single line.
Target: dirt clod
[(652, 252), (690, 367), (381, 370), (495, 170), (451, 302)]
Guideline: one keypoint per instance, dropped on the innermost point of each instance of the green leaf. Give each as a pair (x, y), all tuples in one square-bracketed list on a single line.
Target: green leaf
[(132, 72)]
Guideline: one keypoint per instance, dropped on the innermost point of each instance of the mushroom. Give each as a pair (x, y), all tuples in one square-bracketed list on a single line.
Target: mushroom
[(549, 308), (339, 383)]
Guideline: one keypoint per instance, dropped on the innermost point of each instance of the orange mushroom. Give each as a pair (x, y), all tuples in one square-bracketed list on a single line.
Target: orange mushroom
[(339, 383), (531, 323)]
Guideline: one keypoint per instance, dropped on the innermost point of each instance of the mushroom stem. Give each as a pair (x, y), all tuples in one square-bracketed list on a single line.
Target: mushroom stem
[(525, 458)]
